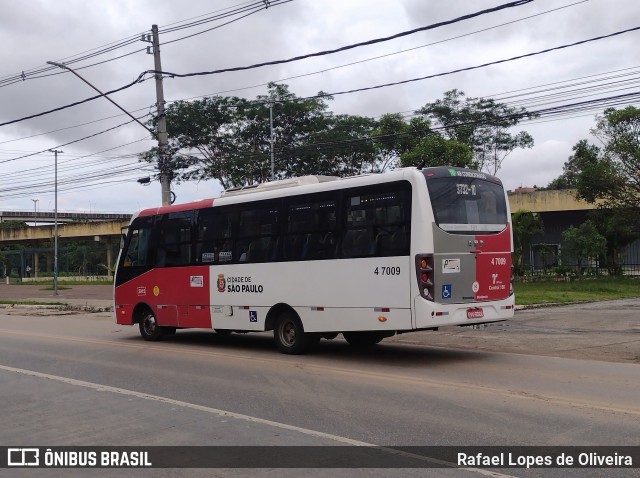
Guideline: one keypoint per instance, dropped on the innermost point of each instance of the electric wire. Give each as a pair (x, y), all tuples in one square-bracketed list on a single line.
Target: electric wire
[(354, 90), (325, 70), (70, 142), (113, 46), (373, 41)]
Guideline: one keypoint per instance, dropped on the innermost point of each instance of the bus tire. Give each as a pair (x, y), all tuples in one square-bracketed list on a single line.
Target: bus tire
[(223, 331), (149, 328), (363, 339), (290, 336)]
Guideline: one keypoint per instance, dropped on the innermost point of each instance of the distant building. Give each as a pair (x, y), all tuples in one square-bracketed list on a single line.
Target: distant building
[(559, 209), (524, 190)]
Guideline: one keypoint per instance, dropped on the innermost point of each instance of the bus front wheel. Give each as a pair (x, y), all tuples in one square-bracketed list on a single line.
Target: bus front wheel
[(290, 336), (149, 328)]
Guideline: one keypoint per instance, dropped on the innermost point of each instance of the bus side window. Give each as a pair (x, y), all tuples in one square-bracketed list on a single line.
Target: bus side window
[(311, 226), (376, 222), (175, 239), (213, 243), (258, 231), (138, 251)]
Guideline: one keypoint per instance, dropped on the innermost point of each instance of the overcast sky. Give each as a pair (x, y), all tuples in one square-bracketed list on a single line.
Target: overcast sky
[(35, 31)]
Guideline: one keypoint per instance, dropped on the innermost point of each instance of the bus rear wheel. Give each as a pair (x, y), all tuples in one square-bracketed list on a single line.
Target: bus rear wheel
[(363, 339), (290, 336), (149, 328)]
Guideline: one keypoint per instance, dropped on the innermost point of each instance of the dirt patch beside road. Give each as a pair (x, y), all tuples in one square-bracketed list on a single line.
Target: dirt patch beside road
[(607, 331), (42, 293)]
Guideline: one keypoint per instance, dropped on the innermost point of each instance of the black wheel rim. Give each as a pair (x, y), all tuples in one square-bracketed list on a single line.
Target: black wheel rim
[(149, 325)]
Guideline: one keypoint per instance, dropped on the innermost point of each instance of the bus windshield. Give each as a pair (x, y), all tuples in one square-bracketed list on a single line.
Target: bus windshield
[(467, 204)]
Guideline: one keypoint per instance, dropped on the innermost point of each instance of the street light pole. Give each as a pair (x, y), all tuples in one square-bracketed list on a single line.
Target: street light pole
[(162, 138), (35, 212), (55, 223)]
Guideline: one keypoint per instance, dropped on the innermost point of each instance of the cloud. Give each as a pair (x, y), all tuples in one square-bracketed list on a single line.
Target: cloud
[(44, 30)]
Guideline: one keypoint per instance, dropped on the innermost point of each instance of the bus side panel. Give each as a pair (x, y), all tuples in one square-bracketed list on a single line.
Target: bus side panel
[(332, 295), (178, 296)]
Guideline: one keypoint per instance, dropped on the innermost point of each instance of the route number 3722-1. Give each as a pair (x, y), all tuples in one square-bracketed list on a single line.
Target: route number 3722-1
[(387, 271)]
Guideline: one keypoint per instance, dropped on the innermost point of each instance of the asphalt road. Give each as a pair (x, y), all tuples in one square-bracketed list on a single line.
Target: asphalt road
[(80, 379)]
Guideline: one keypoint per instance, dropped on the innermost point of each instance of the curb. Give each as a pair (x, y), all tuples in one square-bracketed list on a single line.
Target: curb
[(62, 307)]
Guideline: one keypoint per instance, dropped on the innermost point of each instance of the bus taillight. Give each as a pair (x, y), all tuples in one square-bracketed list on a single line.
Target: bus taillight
[(424, 271)]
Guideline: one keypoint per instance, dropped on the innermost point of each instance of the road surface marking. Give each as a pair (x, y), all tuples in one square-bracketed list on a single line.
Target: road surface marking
[(357, 373), (224, 413)]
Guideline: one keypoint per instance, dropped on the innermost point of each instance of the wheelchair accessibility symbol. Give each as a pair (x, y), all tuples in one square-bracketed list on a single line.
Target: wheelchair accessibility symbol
[(446, 291)]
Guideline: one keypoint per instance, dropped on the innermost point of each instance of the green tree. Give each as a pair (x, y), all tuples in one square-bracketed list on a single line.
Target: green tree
[(619, 230), (295, 122), (394, 137), (80, 257), (229, 138), (482, 124), (617, 182), (608, 176), (584, 244), (343, 148), (202, 135), (585, 157), (13, 225), (434, 150), (526, 224)]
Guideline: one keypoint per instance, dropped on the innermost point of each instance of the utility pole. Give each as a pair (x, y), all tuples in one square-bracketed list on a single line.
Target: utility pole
[(271, 141), (55, 222), (163, 140)]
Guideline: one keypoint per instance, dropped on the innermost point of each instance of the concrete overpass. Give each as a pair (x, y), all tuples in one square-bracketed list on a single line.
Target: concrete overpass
[(49, 216), (105, 232), (547, 201)]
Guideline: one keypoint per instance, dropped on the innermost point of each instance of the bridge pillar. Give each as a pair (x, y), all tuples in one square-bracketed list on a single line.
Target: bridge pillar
[(109, 257), (36, 264)]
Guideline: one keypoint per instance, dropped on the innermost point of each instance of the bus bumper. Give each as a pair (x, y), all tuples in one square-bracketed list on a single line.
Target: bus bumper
[(432, 314)]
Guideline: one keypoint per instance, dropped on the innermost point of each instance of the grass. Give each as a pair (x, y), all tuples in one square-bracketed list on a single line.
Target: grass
[(28, 302), (591, 289), (49, 282)]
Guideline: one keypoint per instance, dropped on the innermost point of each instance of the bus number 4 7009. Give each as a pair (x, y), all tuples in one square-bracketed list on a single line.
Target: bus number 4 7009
[(498, 261), (387, 271)]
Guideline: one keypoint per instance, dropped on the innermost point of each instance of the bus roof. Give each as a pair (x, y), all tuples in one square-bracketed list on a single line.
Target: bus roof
[(273, 186), (280, 184), (189, 206)]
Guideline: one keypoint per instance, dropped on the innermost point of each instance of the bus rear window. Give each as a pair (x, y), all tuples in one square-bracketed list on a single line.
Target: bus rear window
[(467, 204)]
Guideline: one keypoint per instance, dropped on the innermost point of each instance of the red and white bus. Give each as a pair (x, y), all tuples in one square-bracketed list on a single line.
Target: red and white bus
[(368, 257)]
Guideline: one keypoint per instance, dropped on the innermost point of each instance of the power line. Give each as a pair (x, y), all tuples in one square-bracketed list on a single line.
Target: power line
[(469, 68), (303, 75), (251, 12), (70, 142), (351, 46), (448, 22), (327, 52), (113, 46)]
